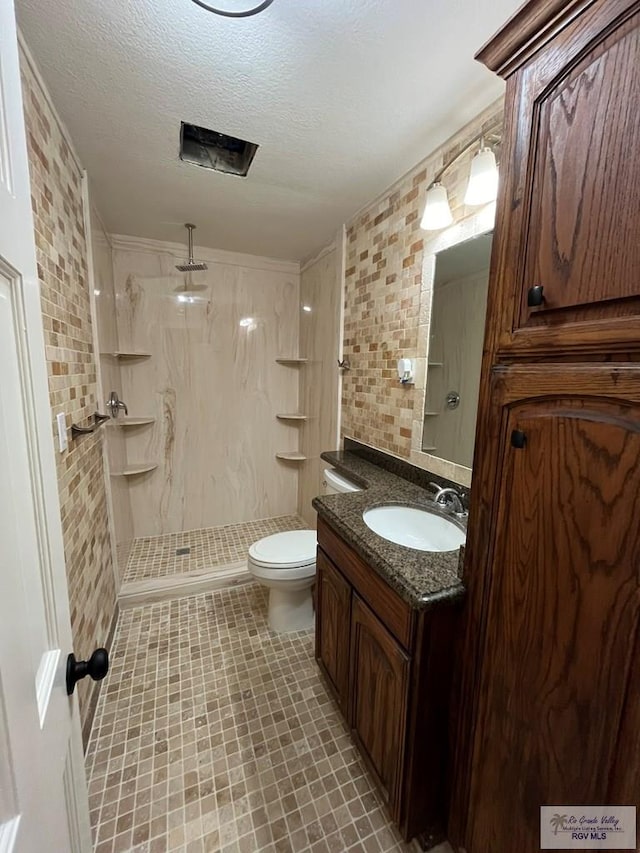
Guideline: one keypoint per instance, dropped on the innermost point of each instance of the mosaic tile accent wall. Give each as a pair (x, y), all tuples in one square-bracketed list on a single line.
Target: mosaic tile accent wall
[(386, 315), (61, 248)]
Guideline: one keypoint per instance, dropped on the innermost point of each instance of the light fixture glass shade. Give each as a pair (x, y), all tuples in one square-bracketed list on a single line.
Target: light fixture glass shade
[(437, 213), (483, 178)]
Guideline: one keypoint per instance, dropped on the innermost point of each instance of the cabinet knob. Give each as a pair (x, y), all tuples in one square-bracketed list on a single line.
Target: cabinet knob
[(535, 296), (518, 438)]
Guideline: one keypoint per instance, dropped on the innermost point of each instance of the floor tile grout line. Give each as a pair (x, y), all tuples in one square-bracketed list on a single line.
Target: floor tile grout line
[(285, 684)]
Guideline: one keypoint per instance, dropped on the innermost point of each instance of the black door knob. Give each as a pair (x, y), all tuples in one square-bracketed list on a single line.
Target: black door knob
[(535, 296), (97, 667)]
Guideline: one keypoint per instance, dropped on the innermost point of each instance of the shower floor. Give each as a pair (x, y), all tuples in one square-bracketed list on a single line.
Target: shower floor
[(162, 562)]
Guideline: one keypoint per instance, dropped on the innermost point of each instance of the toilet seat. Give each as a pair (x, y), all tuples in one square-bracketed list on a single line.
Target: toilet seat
[(289, 550)]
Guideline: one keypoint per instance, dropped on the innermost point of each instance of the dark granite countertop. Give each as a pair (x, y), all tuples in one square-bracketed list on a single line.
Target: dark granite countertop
[(422, 578)]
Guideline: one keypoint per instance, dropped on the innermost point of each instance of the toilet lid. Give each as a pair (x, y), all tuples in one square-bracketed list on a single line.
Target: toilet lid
[(285, 550)]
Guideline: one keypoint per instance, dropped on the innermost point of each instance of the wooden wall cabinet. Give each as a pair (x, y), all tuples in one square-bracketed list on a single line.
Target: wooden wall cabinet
[(389, 667), (570, 200), (546, 691)]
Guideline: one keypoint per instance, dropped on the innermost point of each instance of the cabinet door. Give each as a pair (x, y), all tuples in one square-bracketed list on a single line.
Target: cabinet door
[(558, 709), (570, 213), (332, 627), (379, 685)]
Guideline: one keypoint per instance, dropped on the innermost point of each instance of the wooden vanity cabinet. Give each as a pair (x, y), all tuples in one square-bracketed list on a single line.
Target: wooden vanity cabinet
[(389, 668), (333, 600), (379, 679)]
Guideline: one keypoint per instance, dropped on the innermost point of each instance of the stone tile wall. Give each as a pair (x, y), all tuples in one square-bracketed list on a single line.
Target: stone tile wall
[(61, 247), (386, 312)]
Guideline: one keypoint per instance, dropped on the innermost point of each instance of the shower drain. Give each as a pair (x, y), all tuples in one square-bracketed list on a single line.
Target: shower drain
[(181, 552)]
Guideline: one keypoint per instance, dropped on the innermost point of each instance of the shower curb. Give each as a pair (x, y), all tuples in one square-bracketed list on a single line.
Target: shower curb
[(136, 593)]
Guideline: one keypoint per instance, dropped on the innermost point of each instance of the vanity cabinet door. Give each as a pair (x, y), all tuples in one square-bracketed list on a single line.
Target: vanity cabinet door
[(332, 627), (570, 213), (379, 686), (558, 701)]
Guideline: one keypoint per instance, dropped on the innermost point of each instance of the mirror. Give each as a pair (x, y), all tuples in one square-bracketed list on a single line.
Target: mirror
[(456, 333)]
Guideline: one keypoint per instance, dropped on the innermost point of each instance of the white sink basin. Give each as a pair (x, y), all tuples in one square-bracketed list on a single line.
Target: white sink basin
[(414, 528)]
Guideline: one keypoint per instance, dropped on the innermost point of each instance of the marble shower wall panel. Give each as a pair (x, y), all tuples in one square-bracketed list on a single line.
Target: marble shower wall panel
[(213, 385), (321, 291), (111, 381)]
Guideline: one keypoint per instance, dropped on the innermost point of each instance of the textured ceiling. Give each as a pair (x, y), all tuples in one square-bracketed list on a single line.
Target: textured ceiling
[(342, 97)]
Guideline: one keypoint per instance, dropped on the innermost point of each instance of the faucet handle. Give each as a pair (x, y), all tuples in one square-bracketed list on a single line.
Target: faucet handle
[(450, 497), (437, 490), (114, 404)]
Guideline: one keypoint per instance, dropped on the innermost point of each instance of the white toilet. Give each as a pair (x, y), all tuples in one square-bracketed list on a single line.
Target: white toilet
[(286, 564)]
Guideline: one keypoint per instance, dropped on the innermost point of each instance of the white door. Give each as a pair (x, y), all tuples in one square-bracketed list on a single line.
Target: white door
[(43, 797)]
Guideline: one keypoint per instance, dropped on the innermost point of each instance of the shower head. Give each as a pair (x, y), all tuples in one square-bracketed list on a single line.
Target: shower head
[(191, 265)]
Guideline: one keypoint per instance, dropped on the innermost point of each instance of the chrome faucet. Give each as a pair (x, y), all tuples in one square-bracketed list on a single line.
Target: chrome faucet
[(114, 404), (449, 499)]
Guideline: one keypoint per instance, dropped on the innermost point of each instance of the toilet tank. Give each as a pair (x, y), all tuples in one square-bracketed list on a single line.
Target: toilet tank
[(334, 483)]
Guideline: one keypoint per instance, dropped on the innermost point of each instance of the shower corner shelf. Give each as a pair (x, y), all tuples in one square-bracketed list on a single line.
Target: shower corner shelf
[(131, 422), (435, 364), (431, 414), (291, 457), (292, 361), (130, 355), (133, 470), (293, 416)]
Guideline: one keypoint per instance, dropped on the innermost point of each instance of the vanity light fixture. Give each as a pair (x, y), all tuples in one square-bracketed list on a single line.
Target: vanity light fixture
[(253, 9), (483, 178), (481, 189), (437, 212)]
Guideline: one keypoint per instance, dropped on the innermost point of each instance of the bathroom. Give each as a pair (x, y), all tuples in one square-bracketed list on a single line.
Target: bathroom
[(253, 352)]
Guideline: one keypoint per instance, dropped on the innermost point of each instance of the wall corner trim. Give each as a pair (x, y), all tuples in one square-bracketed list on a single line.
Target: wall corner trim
[(313, 259), (126, 243)]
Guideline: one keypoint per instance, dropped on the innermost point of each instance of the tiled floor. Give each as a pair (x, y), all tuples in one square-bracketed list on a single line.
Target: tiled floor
[(213, 734), (155, 556)]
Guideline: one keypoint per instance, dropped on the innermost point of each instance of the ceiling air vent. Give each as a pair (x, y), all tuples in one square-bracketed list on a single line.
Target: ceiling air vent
[(215, 150)]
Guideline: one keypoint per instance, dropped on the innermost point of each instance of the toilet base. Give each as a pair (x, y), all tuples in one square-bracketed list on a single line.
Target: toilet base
[(290, 610)]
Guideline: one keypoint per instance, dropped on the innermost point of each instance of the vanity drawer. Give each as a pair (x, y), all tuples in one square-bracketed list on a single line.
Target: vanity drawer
[(392, 610)]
